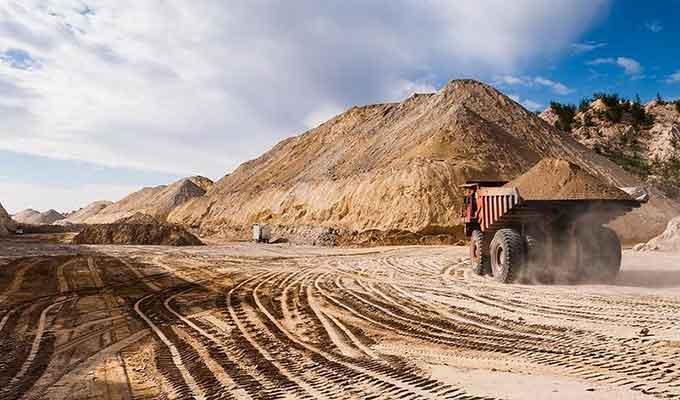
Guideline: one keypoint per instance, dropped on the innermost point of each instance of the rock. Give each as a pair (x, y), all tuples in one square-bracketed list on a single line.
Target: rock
[(328, 238)]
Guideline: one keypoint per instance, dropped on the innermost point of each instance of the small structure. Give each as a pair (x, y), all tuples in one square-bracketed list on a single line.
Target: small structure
[(261, 233)]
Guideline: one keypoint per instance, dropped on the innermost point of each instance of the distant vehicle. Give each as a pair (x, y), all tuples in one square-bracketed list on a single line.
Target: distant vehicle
[(261, 233), (510, 235)]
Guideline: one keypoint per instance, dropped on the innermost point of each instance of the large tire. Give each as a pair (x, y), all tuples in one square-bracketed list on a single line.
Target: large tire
[(600, 255), (507, 252), (480, 260)]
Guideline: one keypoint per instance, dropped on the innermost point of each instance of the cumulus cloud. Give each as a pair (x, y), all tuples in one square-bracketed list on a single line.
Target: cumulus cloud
[(202, 86), (557, 87), (629, 65)]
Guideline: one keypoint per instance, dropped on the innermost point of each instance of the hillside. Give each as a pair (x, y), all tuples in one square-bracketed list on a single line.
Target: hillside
[(644, 140), (397, 167), (6, 223), (156, 201), (33, 217), (80, 216)]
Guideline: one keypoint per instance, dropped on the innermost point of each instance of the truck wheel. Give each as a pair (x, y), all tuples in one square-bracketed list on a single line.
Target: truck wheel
[(609, 257), (507, 255), (480, 261)]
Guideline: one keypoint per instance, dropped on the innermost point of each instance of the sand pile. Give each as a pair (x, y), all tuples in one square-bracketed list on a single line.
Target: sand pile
[(6, 223), (556, 179), (138, 229), (80, 216), (33, 217), (669, 240), (398, 167), (156, 201)]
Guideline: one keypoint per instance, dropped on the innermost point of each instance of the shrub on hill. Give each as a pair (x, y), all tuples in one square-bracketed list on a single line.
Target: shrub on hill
[(565, 114)]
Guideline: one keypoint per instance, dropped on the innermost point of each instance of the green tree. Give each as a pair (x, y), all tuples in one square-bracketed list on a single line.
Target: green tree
[(660, 99), (565, 114)]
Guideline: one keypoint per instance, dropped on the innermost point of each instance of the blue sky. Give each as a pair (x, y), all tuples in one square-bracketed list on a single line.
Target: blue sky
[(99, 98), (642, 36)]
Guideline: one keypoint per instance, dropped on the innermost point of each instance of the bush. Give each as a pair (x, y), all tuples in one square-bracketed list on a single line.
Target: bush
[(565, 114), (615, 105), (677, 105), (584, 105), (638, 113)]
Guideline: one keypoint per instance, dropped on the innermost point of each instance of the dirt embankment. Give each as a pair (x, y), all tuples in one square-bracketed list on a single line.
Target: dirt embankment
[(6, 223), (137, 229)]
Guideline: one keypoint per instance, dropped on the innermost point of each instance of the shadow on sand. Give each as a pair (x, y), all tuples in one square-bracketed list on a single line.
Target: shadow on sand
[(649, 279)]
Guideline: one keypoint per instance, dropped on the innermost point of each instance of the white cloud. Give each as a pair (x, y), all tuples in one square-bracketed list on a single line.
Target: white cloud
[(654, 26), (528, 104), (586, 47), (20, 196), (674, 77), (529, 81), (201, 86), (629, 65)]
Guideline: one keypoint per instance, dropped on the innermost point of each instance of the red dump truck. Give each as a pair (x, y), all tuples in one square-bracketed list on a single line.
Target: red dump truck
[(512, 238)]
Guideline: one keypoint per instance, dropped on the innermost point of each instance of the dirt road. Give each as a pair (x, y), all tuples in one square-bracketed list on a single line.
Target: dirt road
[(263, 322)]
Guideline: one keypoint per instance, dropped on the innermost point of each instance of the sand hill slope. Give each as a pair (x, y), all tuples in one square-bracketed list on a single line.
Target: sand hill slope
[(33, 217), (669, 240), (6, 223), (397, 167), (80, 216), (157, 201)]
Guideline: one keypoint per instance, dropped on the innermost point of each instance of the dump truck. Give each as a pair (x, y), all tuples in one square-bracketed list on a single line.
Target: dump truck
[(512, 237)]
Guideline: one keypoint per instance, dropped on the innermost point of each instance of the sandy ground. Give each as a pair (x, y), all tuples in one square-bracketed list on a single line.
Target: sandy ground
[(249, 321)]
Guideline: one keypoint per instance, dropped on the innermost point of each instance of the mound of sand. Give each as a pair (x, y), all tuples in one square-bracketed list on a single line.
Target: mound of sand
[(33, 217), (156, 201), (669, 240), (136, 232), (138, 219), (80, 216), (556, 179), (397, 167), (6, 223)]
